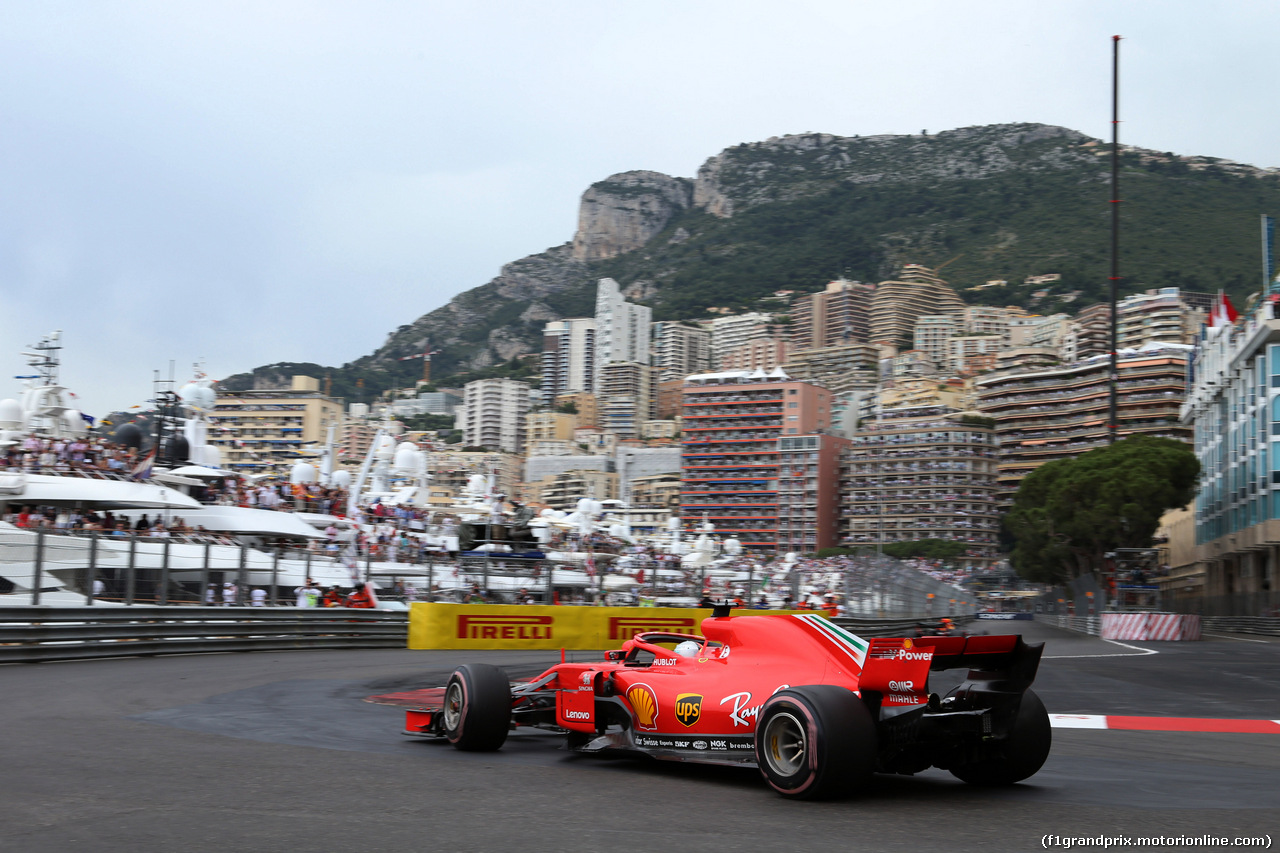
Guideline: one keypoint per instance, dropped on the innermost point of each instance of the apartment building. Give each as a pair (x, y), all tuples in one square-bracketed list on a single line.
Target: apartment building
[(1089, 334), (568, 357), (563, 491), (255, 431), (933, 333), (766, 352), (898, 304), (736, 427), (553, 426), (1058, 412), (452, 469), (839, 368), (969, 355), (493, 414), (922, 472), (622, 329), (680, 349), (1233, 409), (1158, 316), (626, 397), (736, 331), (838, 315)]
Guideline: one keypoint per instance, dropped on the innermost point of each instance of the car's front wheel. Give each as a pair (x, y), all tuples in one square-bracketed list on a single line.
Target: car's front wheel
[(477, 708), (815, 742)]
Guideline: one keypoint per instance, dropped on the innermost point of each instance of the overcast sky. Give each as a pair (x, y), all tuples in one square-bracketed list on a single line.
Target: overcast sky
[(246, 183)]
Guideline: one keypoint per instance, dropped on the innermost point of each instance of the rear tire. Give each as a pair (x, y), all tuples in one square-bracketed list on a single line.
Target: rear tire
[(477, 708), (815, 742), (1019, 756)]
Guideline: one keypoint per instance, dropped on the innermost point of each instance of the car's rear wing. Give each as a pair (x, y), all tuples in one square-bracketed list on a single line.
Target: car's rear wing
[(998, 664)]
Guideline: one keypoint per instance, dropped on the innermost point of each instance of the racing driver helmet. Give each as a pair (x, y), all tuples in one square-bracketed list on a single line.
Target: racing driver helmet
[(688, 648)]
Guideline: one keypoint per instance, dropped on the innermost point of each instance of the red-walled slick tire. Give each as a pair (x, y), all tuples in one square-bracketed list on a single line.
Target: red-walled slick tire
[(815, 742), (477, 708)]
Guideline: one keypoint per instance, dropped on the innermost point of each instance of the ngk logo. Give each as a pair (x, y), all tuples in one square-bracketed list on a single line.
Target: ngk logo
[(505, 627), (902, 686), (626, 627)]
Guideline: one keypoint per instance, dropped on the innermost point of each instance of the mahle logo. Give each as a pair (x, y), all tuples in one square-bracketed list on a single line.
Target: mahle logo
[(688, 708)]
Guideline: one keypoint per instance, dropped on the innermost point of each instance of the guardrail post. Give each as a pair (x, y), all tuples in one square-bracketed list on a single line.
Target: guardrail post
[(307, 571), (131, 577), (275, 576), (242, 573), (38, 568), (204, 579), (164, 574), (92, 570)]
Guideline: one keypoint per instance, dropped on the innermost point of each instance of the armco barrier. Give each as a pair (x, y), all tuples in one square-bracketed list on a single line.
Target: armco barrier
[(512, 626), (1004, 617), (70, 633), (1265, 626)]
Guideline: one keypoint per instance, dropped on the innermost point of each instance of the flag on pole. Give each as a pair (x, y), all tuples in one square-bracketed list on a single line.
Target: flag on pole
[(1223, 312), (142, 470)]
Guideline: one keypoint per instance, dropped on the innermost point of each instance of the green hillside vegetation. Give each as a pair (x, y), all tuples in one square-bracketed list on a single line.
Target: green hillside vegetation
[(998, 203), (1194, 230)]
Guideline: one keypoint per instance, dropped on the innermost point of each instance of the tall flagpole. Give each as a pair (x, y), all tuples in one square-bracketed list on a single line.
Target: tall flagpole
[(1113, 406)]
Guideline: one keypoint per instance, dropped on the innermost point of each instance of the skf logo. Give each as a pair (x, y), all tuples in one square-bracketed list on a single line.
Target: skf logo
[(688, 708), (645, 704), (626, 627), (505, 627)]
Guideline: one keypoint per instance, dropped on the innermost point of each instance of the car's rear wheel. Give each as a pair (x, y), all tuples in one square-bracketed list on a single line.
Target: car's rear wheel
[(1020, 755), (815, 742), (477, 708)]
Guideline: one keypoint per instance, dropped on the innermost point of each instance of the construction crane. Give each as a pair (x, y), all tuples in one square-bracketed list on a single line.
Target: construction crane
[(425, 355)]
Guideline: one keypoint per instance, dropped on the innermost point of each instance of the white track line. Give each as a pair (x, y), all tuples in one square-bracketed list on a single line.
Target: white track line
[(1137, 652), (1227, 637)]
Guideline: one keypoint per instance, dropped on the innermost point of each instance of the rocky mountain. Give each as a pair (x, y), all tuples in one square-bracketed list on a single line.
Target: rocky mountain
[(999, 202)]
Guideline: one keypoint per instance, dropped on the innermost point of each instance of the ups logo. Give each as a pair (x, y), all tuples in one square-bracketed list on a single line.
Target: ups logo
[(688, 708)]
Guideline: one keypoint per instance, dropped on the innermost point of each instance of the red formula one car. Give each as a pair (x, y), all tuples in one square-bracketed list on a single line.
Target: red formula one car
[(815, 707)]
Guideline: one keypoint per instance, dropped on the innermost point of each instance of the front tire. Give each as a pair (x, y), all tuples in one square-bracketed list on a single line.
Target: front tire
[(815, 742), (1020, 755), (477, 708)]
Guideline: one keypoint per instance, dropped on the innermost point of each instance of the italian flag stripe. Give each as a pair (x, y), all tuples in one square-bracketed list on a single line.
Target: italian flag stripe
[(855, 646)]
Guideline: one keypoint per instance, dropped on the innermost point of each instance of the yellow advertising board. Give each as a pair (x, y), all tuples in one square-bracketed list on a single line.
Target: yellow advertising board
[(517, 626)]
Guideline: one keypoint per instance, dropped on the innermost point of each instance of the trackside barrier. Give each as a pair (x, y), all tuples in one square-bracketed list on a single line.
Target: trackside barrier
[(1266, 626), (1079, 624), (513, 626), (71, 633), (1150, 626)]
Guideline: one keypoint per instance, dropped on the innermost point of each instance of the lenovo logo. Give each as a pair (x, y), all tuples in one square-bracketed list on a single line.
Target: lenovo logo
[(626, 627), (505, 627)]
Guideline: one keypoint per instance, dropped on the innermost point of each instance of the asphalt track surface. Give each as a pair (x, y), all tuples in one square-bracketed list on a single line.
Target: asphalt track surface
[(278, 752)]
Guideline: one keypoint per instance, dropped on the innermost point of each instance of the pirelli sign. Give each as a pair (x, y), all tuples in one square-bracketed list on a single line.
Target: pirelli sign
[(507, 626)]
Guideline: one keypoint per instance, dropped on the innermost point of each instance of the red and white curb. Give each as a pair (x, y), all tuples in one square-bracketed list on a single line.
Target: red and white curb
[(1163, 724)]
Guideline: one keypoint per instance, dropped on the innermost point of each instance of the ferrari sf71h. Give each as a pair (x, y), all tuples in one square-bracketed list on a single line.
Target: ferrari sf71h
[(816, 708)]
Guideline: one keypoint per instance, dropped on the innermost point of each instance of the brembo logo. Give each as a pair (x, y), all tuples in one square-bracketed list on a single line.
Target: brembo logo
[(505, 627), (626, 627)]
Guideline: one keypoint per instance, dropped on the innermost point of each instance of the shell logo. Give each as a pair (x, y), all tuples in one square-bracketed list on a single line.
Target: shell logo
[(908, 643), (644, 702)]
